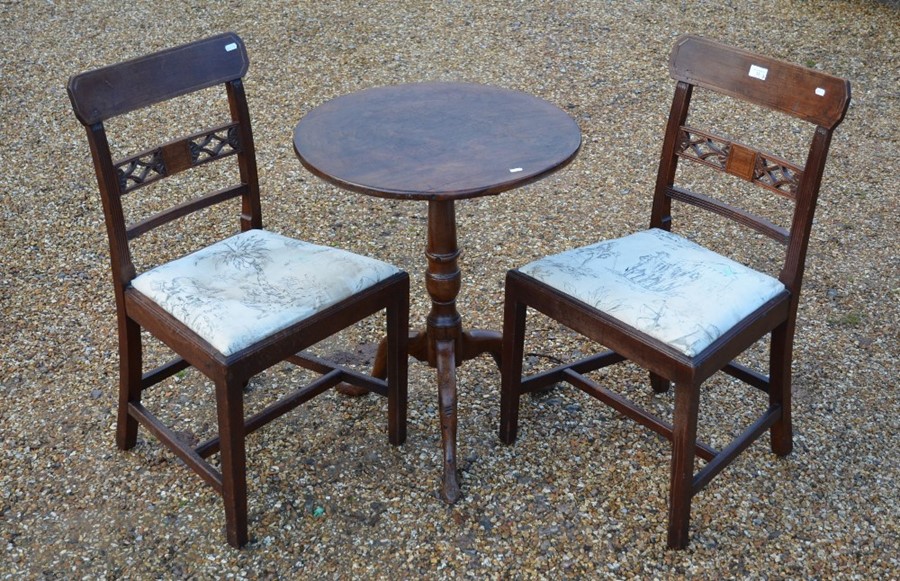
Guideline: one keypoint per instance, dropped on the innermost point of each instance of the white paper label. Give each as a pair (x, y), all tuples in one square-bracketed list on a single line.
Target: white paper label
[(820, 91), (758, 72), (230, 47)]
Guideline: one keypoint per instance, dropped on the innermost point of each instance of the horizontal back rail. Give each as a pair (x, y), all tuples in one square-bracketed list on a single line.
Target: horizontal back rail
[(183, 209), (738, 215), (109, 91)]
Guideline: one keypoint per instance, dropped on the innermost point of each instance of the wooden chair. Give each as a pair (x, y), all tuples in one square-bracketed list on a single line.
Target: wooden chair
[(242, 304), (673, 307)]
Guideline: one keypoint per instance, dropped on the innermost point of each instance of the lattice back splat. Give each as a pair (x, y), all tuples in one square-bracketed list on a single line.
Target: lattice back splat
[(176, 156), (813, 97)]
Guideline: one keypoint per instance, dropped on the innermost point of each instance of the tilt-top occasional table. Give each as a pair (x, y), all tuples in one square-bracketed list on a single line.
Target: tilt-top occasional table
[(438, 142)]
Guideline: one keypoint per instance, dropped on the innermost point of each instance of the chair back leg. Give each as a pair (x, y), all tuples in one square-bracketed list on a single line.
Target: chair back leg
[(659, 384)]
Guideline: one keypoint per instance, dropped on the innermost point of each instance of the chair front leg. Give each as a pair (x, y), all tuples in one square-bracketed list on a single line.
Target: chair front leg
[(511, 367), (780, 356), (130, 372), (397, 367), (230, 408), (684, 440)]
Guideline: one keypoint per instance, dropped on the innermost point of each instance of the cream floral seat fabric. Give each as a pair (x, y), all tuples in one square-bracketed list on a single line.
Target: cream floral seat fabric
[(251, 285), (661, 284)]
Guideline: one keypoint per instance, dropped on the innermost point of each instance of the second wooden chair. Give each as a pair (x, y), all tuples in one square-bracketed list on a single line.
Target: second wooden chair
[(672, 306), (240, 305)]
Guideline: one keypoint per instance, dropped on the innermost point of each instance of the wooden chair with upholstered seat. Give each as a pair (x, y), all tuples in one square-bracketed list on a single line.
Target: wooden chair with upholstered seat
[(672, 306), (242, 304)]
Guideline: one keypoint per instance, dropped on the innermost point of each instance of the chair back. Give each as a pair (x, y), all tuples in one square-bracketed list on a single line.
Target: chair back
[(803, 93), (115, 90)]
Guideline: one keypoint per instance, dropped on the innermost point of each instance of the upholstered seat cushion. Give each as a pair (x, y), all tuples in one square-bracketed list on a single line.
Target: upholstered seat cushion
[(662, 284), (239, 290)]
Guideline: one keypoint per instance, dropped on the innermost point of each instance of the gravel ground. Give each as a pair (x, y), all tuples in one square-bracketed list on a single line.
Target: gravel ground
[(583, 491)]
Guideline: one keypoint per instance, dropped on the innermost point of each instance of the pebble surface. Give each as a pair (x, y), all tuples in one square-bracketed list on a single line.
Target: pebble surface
[(583, 492)]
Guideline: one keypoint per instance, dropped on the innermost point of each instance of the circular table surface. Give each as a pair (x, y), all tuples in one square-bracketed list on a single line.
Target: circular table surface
[(435, 141)]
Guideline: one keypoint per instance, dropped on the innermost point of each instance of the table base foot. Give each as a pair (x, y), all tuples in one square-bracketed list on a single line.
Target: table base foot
[(446, 371), (351, 390), (477, 341), (445, 355)]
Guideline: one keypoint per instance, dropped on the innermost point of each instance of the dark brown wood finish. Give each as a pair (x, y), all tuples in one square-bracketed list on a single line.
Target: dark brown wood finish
[(104, 93), (438, 142), (803, 93), (435, 141)]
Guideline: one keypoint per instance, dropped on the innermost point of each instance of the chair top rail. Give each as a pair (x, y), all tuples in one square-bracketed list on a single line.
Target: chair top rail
[(109, 91), (808, 94)]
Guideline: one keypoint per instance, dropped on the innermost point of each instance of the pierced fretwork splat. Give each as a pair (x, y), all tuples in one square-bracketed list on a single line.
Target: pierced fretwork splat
[(213, 145), (175, 156), (781, 177), (715, 151), (140, 169), (704, 148)]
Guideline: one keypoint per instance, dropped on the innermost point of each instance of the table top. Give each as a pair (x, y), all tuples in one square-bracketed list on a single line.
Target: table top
[(435, 141)]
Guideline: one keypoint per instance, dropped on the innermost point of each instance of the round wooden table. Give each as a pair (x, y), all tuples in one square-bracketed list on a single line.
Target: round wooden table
[(439, 142)]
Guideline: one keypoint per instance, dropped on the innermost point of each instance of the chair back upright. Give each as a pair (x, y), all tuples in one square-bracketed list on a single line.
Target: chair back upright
[(122, 88), (806, 94)]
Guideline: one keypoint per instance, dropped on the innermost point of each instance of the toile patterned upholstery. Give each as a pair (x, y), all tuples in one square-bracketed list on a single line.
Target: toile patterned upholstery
[(255, 283), (661, 284)]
